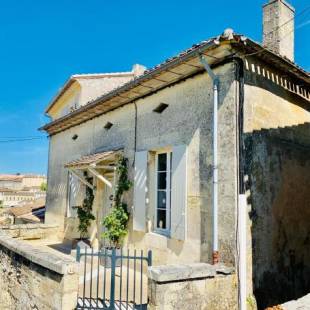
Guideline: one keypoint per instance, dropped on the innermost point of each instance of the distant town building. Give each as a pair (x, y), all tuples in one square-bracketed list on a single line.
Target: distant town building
[(16, 190)]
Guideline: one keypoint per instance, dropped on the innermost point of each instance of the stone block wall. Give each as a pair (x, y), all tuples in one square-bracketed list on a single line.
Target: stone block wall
[(34, 279), (278, 162), (196, 286), (32, 231)]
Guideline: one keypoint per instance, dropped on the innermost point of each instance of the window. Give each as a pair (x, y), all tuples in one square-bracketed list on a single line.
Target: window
[(163, 192)]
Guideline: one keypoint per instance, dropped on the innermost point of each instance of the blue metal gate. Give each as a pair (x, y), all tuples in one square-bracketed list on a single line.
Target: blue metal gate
[(113, 279)]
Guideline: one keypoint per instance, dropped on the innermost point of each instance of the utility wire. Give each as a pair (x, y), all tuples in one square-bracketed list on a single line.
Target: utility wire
[(18, 137), (21, 139), (296, 28), (290, 20)]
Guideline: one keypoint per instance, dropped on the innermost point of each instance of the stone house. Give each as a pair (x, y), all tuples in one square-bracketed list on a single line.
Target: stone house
[(255, 216), (20, 182)]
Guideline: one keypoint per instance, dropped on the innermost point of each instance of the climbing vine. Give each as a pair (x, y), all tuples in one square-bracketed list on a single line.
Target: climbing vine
[(84, 212), (116, 221)]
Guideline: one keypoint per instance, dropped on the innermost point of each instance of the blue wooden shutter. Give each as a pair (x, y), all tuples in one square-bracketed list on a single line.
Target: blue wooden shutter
[(139, 211), (179, 192)]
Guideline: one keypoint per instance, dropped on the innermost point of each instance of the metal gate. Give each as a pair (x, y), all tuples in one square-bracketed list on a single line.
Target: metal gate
[(113, 279)]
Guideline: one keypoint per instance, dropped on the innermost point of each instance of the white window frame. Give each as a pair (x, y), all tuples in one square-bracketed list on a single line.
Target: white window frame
[(163, 231)]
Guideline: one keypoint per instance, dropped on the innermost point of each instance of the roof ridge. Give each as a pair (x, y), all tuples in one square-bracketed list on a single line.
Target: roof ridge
[(81, 75)]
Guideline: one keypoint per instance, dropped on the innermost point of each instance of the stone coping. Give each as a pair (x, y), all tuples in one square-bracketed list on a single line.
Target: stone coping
[(175, 273), (48, 260), (28, 226)]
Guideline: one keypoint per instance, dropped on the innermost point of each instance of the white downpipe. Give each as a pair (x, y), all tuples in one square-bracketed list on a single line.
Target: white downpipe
[(215, 169), (215, 80), (242, 229)]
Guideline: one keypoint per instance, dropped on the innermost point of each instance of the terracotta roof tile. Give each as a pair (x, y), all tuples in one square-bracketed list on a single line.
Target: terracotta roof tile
[(27, 208), (91, 159)]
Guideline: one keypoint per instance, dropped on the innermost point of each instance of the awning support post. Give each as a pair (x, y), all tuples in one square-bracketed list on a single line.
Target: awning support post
[(100, 177), (82, 179)]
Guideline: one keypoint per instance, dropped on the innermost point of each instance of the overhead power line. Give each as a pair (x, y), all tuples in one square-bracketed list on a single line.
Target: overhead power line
[(290, 20), (21, 139)]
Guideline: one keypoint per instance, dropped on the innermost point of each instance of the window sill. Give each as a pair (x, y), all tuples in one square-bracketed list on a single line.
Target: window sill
[(161, 233)]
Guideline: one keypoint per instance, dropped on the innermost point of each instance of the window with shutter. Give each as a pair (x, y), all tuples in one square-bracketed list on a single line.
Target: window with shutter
[(139, 211), (163, 192), (179, 192)]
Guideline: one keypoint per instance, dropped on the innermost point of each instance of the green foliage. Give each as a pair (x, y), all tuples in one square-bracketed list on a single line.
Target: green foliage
[(251, 302), (116, 221), (43, 187), (1, 204), (116, 224), (84, 212)]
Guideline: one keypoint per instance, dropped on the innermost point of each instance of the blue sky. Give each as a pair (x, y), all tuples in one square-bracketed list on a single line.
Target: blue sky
[(44, 42)]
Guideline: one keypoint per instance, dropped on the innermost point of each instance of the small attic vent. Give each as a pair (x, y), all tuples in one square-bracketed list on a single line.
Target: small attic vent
[(161, 108), (74, 137), (108, 125)]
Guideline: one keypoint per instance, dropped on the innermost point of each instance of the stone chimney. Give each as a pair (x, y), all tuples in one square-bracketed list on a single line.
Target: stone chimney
[(278, 27)]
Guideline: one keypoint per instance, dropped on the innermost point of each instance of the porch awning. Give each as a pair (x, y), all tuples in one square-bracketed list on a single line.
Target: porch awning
[(100, 165), (93, 159)]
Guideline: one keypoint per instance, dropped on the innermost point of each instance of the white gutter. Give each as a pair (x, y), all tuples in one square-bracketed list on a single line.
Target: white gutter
[(215, 79)]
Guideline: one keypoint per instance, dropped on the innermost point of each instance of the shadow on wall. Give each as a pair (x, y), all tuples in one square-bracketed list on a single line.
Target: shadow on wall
[(278, 167)]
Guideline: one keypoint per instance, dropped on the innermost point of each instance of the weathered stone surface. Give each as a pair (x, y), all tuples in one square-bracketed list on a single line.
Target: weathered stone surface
[(172, 273), (277, 166), (36, 255), (193, 286), (187, 121), (32, 231), (34, 279), (223, 269), (219, 292), (302, 303)]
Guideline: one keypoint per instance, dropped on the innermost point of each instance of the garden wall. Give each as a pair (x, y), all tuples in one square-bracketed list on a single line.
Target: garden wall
[(197, 286), (32, 278)]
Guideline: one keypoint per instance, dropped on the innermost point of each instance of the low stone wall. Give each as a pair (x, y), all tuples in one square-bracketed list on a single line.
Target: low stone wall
[(196, 286), (34, 279), (31, 231)]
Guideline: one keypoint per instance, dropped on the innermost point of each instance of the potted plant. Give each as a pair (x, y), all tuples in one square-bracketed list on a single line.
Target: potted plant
[(85, 215), (115, 223)]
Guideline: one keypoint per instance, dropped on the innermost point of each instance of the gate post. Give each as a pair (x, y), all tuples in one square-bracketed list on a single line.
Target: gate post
[(112, 293), (149, 258)]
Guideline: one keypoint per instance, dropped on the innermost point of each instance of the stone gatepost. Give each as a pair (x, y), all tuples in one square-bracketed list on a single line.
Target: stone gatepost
[(194, 286)]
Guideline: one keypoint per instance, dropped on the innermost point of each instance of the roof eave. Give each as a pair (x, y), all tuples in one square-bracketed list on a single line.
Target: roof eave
[(96, 108), (136, 82)]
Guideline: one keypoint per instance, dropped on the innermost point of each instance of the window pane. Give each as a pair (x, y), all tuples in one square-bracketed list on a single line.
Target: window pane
[(162, 162), (162, 180), (161, 219), (161, 200)]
